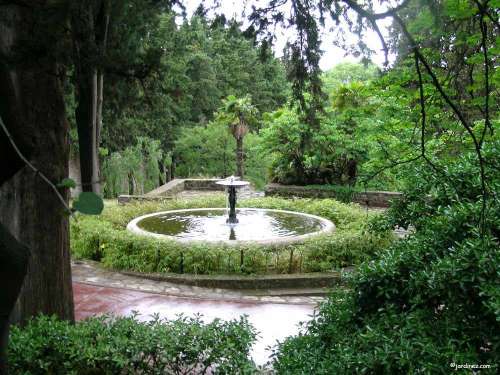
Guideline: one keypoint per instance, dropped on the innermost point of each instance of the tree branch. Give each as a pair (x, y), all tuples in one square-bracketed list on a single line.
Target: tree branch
[(483, 9), (456, 110), (484, 35), (375, 16)]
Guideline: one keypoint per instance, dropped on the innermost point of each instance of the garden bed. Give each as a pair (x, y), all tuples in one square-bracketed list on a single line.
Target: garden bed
[(106, 239)]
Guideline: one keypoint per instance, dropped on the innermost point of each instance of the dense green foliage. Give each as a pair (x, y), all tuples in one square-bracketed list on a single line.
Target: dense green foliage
[(365, 118), (125, 345), (430, 304), (208, 151), (105, 239), (329, 157), (179, 74), (169, 82), (348, 146), (428, 125), (346, 73), (429, 301), (134, 170)]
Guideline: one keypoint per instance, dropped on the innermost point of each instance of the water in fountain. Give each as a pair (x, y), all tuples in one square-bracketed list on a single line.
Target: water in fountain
[(245, 224)]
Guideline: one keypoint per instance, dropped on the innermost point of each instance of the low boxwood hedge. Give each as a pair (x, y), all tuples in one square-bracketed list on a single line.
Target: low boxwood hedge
[(106, 239), (125, 345)]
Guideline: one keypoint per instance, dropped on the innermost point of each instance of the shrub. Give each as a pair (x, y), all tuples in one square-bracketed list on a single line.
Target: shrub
[(331, 154), (134, 170), (105, 239), (124, 345), (429, 301)]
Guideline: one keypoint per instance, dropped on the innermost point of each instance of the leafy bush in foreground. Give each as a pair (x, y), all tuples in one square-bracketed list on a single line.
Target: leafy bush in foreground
[(108, 345), (105, 239), (428, 303)]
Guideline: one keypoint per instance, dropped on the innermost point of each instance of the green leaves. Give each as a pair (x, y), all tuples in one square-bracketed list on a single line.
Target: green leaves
[(426, 301), (125, 345), (67, 183), (89, 203)]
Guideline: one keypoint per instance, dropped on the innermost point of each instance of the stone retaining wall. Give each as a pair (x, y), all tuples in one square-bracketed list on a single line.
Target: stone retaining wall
[(122, 199), (176, 186), (170, 188), (203, 184), (368, 198), (180, 184), (304, 280)]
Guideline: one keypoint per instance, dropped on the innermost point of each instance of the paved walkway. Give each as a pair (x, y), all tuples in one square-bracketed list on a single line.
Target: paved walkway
[(92, 273), (98, 291)]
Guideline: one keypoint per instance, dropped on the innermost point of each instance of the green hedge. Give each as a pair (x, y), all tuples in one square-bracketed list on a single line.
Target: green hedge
[(430, 304), (124, 345), (106, 239)]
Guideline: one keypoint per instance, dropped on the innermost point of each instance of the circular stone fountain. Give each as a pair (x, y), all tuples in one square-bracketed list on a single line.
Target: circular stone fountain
[(231, 225)]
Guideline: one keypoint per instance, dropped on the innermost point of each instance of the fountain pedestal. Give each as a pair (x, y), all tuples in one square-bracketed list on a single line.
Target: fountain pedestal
[(232, 185), (232, 205)]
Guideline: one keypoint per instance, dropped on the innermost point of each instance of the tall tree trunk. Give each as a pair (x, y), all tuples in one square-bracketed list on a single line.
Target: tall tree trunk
[(31, 216), (173, 167), (90, 24), (224, 161), (86, 120), (162, 176), (240, 157)]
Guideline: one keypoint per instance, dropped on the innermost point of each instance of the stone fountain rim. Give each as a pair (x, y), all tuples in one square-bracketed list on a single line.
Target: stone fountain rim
[(328, 227)]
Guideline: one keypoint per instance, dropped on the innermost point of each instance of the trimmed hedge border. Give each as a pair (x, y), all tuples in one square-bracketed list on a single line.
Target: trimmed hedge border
[(106, 239)]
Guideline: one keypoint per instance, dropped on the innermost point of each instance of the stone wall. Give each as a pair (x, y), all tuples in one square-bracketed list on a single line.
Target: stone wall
[(376, 198), (122, 199), (170, 188), (177, 185), (368, 198), (203, 184), (249, 282), (174, 187)]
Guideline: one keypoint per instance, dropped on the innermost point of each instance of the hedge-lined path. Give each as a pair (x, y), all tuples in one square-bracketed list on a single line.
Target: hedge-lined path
[(95, 295)]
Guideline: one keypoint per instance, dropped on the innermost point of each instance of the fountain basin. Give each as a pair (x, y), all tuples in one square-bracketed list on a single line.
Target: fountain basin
[(208, 225)]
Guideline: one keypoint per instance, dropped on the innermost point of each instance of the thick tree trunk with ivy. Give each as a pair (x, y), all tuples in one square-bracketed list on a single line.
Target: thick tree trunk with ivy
[(31, 216)]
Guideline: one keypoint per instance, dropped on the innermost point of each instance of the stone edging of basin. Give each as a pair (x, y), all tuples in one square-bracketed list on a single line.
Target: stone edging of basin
[(247, 282), (328, 227)]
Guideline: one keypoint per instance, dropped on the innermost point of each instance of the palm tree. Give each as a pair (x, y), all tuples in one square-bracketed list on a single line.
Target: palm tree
[(239, 114)]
